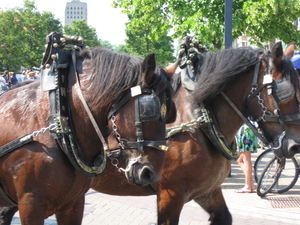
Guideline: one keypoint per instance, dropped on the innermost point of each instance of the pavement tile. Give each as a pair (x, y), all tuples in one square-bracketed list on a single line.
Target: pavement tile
[(246, 209)]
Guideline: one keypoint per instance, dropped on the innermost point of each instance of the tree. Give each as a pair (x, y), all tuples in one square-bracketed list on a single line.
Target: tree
[(147, 31), (262, 20), (81, 28), (138, 43), (22, 35), (89, 34)]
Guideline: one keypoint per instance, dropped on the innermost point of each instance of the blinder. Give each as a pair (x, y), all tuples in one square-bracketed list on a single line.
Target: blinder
[(283, 90), (148, 108)]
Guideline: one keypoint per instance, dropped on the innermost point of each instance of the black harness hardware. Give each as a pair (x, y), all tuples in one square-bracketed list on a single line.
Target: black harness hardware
[(147, 109)]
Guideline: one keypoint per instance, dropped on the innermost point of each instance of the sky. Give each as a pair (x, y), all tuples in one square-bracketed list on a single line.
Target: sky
[(108, 21)]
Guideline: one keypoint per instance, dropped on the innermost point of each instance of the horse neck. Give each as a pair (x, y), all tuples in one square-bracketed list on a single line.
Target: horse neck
[(183, 103), (227, 118)]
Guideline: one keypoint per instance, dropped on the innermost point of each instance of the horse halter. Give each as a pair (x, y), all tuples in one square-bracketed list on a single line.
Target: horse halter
[(147, 108), (281, 90)]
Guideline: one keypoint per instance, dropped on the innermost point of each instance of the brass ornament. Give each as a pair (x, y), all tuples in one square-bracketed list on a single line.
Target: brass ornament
[(163, 110)]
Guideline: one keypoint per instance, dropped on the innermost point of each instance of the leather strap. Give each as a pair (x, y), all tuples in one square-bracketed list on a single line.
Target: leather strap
[(86, 107), (246, 121)]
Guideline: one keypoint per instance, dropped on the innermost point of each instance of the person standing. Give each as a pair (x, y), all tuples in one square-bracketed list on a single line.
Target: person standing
[(247, 143), (13, 78), (3, 83)]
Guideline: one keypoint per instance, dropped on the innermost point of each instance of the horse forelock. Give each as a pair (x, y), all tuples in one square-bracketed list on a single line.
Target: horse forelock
[(221, 68)]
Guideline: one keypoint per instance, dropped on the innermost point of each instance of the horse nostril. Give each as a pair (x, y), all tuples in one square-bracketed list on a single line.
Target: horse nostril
[(148, 176)]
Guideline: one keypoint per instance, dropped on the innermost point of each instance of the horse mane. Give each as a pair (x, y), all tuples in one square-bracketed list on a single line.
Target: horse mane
[(221, 68), (111, 73)]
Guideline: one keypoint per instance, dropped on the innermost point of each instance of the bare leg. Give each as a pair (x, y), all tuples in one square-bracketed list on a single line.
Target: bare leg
[(245, 163)]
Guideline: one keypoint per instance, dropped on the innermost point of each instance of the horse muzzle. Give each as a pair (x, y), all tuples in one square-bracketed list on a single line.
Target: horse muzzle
[(141, 174), (286, 146)]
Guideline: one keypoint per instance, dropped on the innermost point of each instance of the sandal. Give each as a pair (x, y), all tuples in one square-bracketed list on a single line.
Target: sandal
[(242, 190)]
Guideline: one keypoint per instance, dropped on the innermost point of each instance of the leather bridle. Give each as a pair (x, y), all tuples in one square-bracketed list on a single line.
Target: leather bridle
[(273, 88)]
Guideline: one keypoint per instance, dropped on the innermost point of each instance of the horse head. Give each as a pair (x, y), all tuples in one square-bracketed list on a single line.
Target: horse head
[(243, 84), (142, 121), (136, 118), (276, 107)]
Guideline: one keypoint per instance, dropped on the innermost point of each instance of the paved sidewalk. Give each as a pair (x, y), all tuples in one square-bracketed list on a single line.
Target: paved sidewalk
[(246, 209)]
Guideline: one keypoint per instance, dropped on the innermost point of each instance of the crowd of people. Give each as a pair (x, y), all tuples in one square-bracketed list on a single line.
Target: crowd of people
[(8, 79)]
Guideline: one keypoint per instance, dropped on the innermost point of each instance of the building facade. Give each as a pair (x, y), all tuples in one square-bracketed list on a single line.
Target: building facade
[(75, 10)]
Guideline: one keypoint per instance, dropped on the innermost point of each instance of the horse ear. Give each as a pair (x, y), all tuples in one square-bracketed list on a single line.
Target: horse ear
[(277, 58), (290, 50), (148, 68), (172, 68)]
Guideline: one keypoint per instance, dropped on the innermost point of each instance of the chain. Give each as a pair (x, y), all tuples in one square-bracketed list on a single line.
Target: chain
[(115, 129), (43, 130), (264, 108)]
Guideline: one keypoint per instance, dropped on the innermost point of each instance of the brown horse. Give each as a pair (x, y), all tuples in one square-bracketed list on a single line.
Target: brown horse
[(91, 107), (194, 166)]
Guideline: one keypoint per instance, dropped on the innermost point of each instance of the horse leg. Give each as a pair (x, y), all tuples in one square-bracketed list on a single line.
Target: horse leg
[(215, 205), (31, 212), (71, 213), (169, 206), (7, 214)]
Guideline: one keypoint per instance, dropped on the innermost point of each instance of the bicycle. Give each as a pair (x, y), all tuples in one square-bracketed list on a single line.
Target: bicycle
[(275, 175)]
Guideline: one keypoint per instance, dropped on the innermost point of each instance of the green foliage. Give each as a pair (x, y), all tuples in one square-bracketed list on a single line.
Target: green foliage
[(262, 20), (268, 19), (147, 30), (81, 28), (89, 34), (22, 36)]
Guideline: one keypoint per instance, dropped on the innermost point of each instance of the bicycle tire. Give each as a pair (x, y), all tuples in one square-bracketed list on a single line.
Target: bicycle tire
[(269, 177), (288, 177), (261, 162)]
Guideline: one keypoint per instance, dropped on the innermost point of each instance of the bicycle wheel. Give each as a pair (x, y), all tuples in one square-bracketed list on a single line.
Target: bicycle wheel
[(261, 162), (269, 176), (288, 176)]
